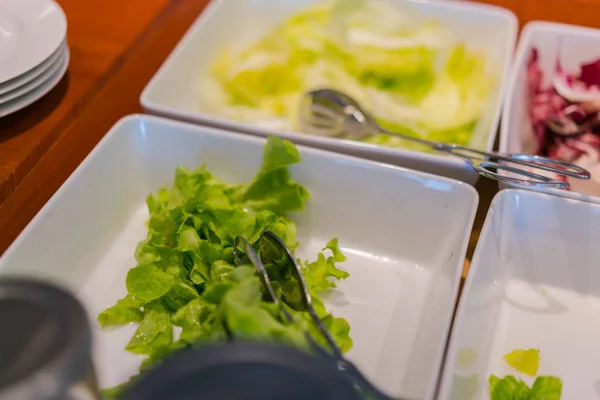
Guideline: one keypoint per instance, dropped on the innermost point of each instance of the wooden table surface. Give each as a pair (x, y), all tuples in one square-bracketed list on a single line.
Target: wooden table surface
[(116, 46)]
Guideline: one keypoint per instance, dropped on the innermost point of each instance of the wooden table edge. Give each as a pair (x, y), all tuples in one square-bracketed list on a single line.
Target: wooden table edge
[(95, 114)]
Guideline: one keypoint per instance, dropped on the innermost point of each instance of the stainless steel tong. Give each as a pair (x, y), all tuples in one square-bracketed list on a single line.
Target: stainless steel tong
[(273, 251), (328, 112)]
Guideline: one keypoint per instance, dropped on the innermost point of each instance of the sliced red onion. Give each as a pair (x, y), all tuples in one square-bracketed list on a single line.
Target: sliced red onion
[(565, 152), (591, 106), (591, 162), (534, 73), (591, 139), (590, 75), (562, 126), (576, 113), (571, 108), (576, 89)]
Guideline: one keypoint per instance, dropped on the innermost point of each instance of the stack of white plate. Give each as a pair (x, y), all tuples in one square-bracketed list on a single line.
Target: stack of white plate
[(34, 54)]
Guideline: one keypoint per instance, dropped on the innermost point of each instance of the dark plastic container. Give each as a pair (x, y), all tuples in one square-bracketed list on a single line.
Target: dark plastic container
[(45, 344), (243, 371)]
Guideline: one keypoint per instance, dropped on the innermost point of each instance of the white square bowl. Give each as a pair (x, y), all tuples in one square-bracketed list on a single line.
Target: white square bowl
[(405, 234), (534, 282), (578, 45), (172, 91)]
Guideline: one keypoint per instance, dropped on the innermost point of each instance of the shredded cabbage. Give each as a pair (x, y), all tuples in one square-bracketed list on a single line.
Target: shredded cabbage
[(412, 74)]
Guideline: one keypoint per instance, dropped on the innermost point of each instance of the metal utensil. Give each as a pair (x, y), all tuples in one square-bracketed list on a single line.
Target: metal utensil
[(243, 244), (328, 112), (274, 253)]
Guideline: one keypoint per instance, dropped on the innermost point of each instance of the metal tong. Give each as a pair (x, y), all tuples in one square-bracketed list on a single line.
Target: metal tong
[(274, 252), (328, 112)]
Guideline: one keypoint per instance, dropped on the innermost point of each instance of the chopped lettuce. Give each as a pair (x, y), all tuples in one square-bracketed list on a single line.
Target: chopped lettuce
[(148, 282), (125, 311), (272, 189), (546, 388), (524, 361), (185, 275), (508, 388), (414, 75), (511, 388)]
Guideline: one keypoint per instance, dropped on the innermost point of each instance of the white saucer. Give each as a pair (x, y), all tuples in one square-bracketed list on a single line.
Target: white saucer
[(34, 83), (37, 93), (27, 77), (30, 32)]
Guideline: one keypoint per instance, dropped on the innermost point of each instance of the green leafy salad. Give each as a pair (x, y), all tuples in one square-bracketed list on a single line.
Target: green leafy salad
[(185, 290), (414, 74), (511, 388)]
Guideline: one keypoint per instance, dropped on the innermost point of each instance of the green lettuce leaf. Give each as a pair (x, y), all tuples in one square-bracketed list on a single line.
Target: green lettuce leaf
[(147, 282), (317, 273), (337, 254), (153, 333), (273, 188), (511, 388), (524, 361), (508, 388), (194, 318), (179, 295), (185, 275), (125, 311), (546, 388), (188, 240)]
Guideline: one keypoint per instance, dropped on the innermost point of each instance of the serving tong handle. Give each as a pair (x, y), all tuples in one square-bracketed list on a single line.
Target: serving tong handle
[(334, 354), (485, 163), (328, 112)]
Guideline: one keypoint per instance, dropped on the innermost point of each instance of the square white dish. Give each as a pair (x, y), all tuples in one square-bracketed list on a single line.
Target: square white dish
[(534, 282), (405, 234), (173, 90), (578, 45)]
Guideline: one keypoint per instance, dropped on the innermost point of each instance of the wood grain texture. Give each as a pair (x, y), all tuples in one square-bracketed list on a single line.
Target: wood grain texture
[(117, 97), (116, 50), (99, 33)]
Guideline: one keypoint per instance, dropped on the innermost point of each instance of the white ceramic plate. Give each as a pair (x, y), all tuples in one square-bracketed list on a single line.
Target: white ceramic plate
[(405, 234), (31, 31), (41, 69), (534, 282), (38, 92), (173, 90), (578, 45), (40, 80)]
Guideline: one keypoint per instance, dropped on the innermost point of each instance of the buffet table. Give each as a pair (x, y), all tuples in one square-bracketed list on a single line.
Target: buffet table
[(116, 47)]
